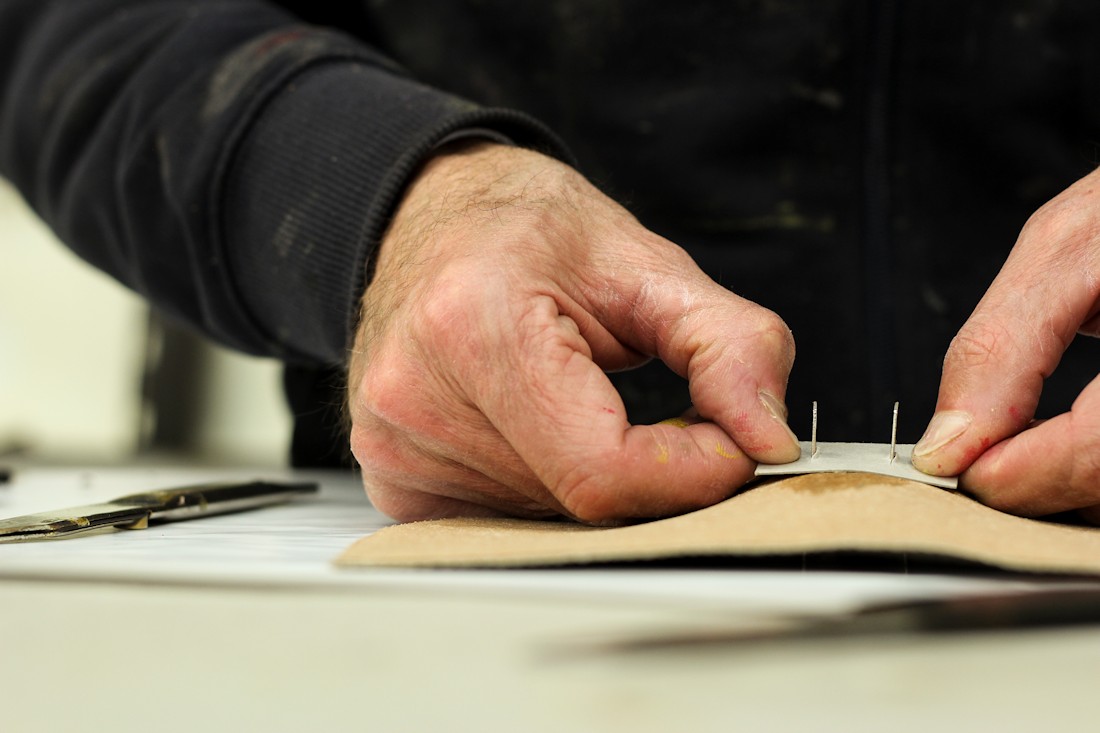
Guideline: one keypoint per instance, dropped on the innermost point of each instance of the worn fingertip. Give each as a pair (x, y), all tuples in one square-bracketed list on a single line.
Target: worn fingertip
[(787, 449)]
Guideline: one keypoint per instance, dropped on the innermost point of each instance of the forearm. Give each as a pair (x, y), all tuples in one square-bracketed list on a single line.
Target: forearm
[(227, 161)]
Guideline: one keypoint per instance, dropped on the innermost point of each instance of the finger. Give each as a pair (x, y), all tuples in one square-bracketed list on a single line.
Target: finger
[(413, 505), (410, 421), (735, 354), (995, 367), (567, 422), (1051, 467), (600, 345), (409, 484), (410, 429), (737, 357)]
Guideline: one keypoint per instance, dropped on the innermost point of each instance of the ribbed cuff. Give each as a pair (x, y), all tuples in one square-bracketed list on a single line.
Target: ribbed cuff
[(313, 184)]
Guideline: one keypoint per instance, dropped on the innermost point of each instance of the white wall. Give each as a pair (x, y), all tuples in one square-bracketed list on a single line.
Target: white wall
[(245, 417), (72, 344)]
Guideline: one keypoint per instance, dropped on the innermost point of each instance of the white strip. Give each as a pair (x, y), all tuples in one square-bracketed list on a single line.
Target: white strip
[(867, 457)]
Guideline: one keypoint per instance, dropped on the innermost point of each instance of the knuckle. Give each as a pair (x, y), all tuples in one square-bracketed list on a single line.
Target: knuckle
[(453, 321), (444, 309), (1064, 231), (763, 344), (387, 470), (385, 390), (978, 345), (1045, 223), (401, 504), (763, 333), (401, 388), (773, 331), (378, 455), (1085, 473), (1067, 217)]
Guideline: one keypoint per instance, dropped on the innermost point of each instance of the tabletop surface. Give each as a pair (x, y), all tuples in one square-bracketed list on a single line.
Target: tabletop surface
[(243, 621)]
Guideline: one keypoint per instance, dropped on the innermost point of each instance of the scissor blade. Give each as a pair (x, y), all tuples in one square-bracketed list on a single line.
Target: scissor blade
[(162, 505), (71, 519)]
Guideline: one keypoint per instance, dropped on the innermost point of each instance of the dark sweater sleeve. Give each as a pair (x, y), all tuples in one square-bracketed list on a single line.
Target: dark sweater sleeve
[(222, 158)]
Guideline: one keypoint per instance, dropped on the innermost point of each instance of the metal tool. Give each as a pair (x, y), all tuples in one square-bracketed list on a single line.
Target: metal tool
[(136, 511), (886, 460), (1014, 610)]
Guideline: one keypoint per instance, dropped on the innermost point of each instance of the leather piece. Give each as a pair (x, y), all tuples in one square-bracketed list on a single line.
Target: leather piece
[(801, 514)]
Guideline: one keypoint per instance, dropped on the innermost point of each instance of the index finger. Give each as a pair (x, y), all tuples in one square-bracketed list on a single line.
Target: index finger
[(564, 418), (995, 367)]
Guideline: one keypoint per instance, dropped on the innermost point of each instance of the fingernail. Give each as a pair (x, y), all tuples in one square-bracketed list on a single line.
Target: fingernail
[(944, 427), (778, 411)]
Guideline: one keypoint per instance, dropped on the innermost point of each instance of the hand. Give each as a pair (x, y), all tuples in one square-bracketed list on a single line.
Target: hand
[(1048, 290), (504, 288)]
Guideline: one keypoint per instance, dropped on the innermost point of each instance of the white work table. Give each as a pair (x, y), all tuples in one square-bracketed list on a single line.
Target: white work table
[(241, 622)]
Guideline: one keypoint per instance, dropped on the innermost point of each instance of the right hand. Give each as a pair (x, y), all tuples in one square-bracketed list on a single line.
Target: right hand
[(504, 289)]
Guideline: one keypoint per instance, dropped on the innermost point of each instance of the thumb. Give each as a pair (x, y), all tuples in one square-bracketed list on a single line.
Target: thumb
[(994, 370)]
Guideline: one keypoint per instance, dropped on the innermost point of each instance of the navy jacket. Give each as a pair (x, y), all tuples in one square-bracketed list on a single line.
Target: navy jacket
[(862, 167)]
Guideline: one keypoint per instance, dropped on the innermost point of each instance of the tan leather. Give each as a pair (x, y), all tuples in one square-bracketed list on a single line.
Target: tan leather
[(811, 513)]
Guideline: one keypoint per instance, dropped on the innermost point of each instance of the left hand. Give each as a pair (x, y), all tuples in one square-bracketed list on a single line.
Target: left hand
[(983, 429)]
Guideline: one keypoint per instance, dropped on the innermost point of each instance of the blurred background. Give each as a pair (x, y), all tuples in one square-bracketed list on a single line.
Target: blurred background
[(88, 375)]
